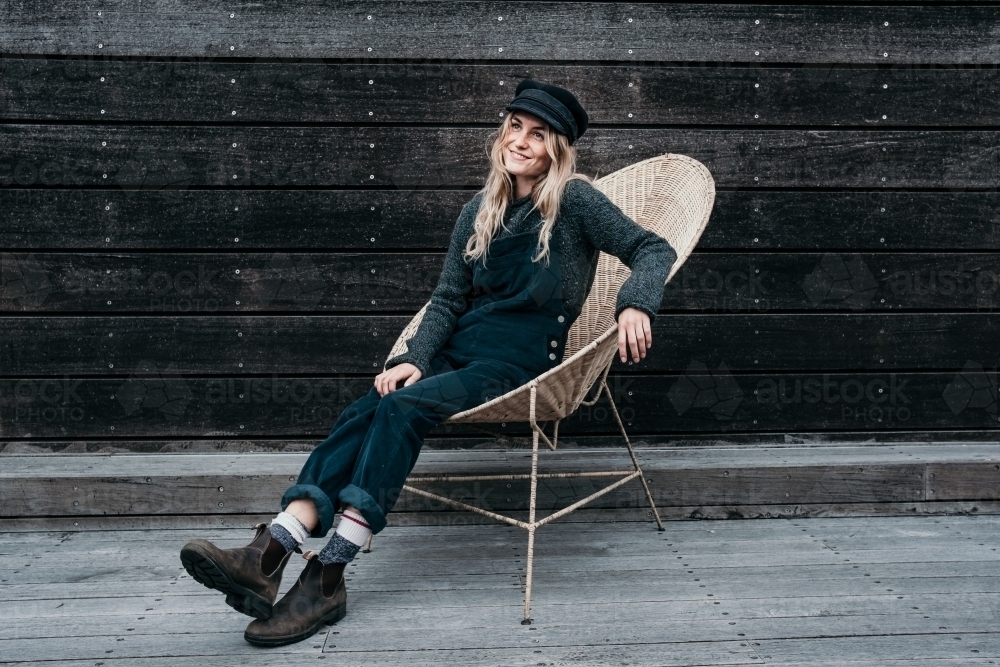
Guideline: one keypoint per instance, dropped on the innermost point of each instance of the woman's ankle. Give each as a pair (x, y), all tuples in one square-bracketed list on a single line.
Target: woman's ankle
[(304, 510)]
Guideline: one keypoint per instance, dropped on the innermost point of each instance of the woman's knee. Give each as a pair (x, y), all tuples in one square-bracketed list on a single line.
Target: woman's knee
[(363, 407)]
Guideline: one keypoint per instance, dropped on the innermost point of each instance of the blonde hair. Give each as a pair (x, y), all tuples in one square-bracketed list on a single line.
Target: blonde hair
[(546, 192)]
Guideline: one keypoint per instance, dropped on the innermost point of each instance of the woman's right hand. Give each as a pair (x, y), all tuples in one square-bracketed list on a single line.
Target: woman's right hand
[(386, 381)]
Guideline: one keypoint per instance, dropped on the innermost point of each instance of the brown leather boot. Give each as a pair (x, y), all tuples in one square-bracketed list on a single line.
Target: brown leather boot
[(249, 576), (318, 597)]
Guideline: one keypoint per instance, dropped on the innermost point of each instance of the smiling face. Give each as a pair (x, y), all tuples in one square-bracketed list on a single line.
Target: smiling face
[(524, 151)]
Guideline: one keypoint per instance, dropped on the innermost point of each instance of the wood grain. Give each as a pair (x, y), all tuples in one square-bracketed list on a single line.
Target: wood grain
[(589, 31), (730, 282), (637, 94), (182, 157), (422, 220), (326, 345), (803, 604), (78, 486)]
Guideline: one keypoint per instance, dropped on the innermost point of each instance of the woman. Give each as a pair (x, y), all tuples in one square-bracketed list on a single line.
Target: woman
[(519, 266)]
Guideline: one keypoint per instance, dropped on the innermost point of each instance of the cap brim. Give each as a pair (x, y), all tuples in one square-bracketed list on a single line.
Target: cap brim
[(537, 109)]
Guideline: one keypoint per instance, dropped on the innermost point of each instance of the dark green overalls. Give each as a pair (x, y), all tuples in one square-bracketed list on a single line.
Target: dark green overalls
[(514, 329)]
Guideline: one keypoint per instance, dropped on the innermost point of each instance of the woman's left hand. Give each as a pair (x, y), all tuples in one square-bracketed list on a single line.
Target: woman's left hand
[(634, 333)]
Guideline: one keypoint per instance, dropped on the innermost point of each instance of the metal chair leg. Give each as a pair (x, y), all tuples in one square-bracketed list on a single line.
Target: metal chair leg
[(635, 461), (527, 588), (531, 512)]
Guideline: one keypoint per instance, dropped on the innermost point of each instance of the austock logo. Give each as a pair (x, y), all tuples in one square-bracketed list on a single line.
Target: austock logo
[(37, 401), (838, 280), (299, 400), (700, 388), (149, 388), (862, 399), (978, 281), (290, 280), (972, 387), (23, 281), (735, 290)]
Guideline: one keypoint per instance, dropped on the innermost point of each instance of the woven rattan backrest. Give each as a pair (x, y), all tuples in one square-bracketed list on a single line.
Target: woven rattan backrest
[(671, 195)]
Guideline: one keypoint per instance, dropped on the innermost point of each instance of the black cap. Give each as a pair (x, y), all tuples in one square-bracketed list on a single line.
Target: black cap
[(556, 106)]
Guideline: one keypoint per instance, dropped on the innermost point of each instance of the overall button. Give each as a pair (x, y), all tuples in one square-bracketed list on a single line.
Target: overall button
[(554, 343), (552, 355), (561, 318)]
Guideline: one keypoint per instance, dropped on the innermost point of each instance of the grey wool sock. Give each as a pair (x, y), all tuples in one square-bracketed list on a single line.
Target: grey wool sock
[(338, 550), (283, 537)]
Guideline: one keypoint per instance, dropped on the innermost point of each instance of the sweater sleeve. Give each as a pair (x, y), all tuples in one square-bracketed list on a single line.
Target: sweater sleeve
[(648, 255), (448, 300)]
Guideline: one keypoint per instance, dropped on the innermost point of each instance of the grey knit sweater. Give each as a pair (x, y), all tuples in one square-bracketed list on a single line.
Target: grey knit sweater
[(588, 222)]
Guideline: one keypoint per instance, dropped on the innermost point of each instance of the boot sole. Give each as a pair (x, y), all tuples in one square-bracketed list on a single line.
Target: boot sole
[(328, 618), (208, 573)]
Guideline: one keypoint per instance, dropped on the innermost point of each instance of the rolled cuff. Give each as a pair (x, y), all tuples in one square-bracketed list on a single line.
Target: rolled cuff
[(639, 306), (406, 357), (324, 507), (367, 507)]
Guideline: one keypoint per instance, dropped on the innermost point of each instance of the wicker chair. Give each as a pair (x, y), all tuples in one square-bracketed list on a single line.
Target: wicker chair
[(671, 195)]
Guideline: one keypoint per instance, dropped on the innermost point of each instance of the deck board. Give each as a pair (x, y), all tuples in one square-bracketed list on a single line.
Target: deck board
[(836, 591), (728, 482)]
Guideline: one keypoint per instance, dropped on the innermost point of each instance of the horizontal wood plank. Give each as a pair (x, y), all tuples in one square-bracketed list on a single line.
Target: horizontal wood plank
[(207, 283), (206, 614), (836, 652), (970, 569), (42, 552), (486, 437), (34, 89), (53, 566), (472, 581), (687, 514), (588, 31), (327, 344), (133, 157), (79, 486), (180, 157), (277, 220), (558, 587), (154, 404)]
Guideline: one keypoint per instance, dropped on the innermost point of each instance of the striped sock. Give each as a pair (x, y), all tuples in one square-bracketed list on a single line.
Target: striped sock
[(352, 533), (283, 537), (288, 530)]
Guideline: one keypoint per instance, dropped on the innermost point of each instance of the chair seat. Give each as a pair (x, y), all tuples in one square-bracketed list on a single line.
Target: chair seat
[(559, 390)]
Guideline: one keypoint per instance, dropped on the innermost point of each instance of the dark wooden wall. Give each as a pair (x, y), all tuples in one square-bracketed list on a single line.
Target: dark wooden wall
[(216, 221)]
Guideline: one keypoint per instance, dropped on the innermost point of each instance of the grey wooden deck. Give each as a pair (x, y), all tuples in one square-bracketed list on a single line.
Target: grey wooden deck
[(858, 591)]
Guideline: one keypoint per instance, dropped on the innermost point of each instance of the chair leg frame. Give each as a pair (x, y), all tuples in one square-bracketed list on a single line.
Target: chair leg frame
[(531, 525)]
